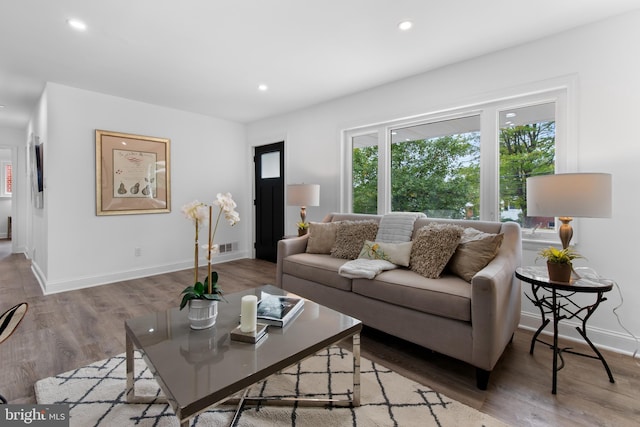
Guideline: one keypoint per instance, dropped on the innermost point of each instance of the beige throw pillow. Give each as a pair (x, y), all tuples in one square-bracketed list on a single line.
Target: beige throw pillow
[(432, 248), (397, 253), (322, 237), (475, 251), (350, 237)]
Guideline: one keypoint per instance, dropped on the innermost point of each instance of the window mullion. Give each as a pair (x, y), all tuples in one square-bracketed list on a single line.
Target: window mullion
[(384, 171), (489, 179)]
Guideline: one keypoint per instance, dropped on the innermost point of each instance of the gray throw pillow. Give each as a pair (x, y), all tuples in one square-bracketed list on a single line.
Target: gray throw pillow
[(322, 237), (475, 251), (432, 248), (350, 237)]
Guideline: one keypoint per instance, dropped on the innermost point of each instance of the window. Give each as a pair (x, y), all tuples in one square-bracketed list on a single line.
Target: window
[(435, 168), (527, 148), (7, 180), (469, 163), (365, 173)]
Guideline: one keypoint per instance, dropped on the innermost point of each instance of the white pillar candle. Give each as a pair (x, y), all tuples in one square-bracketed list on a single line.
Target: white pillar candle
[(248, 313)]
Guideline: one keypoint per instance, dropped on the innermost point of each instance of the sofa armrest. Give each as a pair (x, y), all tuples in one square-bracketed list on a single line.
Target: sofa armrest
[(286, 247), (496, 300)]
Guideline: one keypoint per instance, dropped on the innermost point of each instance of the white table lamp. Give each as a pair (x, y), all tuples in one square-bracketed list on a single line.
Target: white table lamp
[(303, 195), (569, 195)]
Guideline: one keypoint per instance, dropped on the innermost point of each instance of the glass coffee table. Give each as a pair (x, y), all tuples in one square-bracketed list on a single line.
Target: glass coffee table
[(199, 369)]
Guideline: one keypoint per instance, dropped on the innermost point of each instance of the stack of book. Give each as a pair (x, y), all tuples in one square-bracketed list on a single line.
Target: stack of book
[(250, 337), (278, 310)]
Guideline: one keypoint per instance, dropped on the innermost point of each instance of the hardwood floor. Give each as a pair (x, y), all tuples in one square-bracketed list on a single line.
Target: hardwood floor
[(68, 330)]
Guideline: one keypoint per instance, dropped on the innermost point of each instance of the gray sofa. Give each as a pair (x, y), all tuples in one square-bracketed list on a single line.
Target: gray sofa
[(472, 322)]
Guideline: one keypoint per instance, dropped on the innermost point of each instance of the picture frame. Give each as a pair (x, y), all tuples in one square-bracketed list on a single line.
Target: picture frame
[(132, 174), (36, 156)]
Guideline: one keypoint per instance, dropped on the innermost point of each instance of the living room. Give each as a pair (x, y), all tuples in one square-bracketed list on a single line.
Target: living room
[(72, 248)]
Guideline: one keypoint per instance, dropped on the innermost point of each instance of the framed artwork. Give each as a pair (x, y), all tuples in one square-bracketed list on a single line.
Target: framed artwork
[(132, 174), (36, 155)]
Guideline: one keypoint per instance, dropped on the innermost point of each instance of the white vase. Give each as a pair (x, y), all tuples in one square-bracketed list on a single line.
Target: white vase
[(202, 313)]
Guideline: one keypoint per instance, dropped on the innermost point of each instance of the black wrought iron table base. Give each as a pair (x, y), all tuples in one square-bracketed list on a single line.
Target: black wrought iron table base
[(555, 300)]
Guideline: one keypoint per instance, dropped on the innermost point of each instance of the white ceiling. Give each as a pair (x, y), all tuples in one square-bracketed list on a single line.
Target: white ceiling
[(208, 56)]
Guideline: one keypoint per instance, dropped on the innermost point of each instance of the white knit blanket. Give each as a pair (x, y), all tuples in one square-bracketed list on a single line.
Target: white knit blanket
[(397, 227), (365, 268)]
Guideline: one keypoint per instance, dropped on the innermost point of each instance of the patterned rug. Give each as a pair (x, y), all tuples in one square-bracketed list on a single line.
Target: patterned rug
[(96, 397)]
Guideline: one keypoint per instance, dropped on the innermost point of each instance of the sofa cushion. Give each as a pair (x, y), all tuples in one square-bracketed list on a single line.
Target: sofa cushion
[(350, 237), (432, 248), (397, 253), (322, 237), (449, 296), (475, 250), (317, 268)]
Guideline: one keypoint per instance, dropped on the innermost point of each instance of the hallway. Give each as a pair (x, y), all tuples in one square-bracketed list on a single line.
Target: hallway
[(5, 248)]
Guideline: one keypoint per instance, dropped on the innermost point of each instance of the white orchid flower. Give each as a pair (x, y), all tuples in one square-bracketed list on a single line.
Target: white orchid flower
[(199, 212), (233, 217), (225, 202), (195, 211), (215, 249)]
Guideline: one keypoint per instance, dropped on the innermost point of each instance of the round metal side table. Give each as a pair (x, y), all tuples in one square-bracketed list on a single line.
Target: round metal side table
[(555, 299)]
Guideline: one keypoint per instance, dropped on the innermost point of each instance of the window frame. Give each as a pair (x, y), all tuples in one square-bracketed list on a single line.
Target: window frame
[(561, 92), (3, 174)]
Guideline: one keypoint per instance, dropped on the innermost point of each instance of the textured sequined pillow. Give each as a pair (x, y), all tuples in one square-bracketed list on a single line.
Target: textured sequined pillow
[(475, 250), (350, 237), (432, 248)]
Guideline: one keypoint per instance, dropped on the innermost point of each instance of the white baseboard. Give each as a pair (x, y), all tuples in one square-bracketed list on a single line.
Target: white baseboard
[(53, 287), (601, 338), (39, 275)]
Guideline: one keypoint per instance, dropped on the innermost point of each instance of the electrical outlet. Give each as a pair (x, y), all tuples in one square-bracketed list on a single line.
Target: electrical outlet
[(137, 251)]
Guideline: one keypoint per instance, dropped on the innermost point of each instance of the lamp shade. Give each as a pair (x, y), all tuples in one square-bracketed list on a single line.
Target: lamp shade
[(586, 195), (303, 195)]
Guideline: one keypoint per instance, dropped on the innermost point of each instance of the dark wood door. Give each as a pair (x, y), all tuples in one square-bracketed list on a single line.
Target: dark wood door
[(269, 202)]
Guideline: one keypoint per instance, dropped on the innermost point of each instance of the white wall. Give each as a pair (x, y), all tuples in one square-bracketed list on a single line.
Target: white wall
[(608, 95), (80, 249)]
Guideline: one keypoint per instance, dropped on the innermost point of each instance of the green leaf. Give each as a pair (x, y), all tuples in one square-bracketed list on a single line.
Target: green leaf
[(188, 289), (185, 299), (211, 297), (199, 288)]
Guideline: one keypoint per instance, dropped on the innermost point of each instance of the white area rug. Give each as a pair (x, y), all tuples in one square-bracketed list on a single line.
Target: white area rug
[(96, 397)]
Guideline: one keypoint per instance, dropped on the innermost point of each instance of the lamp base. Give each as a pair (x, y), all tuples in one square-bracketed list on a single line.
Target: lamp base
[(565, 231)]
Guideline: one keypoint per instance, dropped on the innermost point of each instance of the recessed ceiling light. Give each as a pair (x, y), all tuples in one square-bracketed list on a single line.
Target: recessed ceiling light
[(510, 115), (405, 25), (263, 87), (77, 24)]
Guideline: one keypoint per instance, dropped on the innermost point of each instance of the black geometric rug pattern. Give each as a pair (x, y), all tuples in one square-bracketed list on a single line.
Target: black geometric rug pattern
[(96, 397)]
